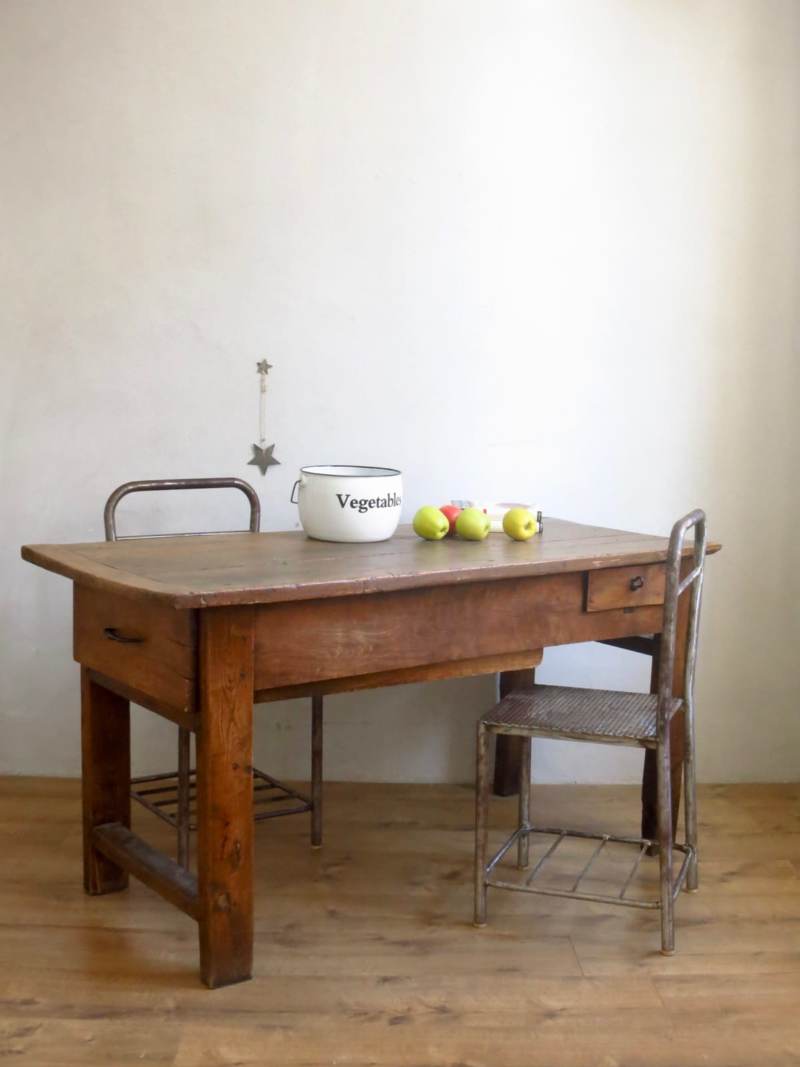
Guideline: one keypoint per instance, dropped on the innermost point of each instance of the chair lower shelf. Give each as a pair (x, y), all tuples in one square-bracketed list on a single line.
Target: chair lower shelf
[(271, 798), (643, 845)]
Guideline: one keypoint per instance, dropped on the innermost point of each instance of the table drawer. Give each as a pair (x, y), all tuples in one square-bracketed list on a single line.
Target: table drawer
[(625, 587), (148, 647), (307, 642)]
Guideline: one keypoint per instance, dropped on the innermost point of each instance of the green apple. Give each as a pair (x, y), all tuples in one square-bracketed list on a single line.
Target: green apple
[(519, 524), (431, 524), (473, 524)]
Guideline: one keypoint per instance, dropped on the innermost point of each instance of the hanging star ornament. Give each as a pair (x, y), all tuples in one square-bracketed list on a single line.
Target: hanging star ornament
[(263, 458)]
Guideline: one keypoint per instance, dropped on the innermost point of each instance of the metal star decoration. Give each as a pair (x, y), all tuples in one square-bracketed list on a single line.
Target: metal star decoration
[(263, 458)]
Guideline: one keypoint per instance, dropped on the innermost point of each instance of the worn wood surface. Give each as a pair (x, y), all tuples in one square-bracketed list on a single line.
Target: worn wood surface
[(645, 645), (393, 631), (273, 567), (366, 955), (625, 587), (508, 750), (106, 765), (187, 719), (159, 872), (429, 672), (156, 650), (225, 796)]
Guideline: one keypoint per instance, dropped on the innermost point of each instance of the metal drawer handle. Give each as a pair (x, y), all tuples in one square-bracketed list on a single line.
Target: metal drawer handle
[(636, 583), (113, 634)]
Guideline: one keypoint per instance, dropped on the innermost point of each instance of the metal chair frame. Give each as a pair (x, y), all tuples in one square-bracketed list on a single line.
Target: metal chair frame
[(173, 803), (669, 883)]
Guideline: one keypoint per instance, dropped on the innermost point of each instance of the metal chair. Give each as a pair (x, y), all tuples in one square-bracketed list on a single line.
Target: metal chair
[(639, 719), (170, 795)]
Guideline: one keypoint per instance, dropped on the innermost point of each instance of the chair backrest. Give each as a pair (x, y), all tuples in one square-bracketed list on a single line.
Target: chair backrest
[(159, 485), (676, 587)]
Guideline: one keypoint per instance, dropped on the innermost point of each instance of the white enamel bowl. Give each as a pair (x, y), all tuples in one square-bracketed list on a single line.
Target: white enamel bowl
[(340, 503)]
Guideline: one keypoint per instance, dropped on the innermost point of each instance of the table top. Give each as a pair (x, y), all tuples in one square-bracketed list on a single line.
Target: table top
[(245, 568)]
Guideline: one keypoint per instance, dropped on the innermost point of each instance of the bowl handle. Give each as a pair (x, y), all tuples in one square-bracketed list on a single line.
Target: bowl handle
[(300, 481)]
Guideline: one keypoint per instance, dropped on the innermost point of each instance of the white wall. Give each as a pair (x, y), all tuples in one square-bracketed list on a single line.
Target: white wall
[(518, 249)]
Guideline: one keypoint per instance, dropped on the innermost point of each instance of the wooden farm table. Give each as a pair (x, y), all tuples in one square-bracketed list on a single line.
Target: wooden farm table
[(198, 628)]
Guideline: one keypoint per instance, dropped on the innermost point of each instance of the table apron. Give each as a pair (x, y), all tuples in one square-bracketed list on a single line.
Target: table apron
[(314, 641), (148, 653)]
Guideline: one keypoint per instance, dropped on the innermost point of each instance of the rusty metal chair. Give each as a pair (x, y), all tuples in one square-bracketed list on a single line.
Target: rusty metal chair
[(170, 795), (638, 719)]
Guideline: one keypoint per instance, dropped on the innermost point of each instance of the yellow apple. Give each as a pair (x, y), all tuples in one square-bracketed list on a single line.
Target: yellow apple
[(431, 524), (473, 524), (519, 524)]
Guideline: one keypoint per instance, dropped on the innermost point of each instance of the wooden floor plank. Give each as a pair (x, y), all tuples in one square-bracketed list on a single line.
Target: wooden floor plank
[(365, 954)]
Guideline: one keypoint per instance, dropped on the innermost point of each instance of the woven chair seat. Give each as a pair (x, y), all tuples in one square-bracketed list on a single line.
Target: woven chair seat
[(584, 714)]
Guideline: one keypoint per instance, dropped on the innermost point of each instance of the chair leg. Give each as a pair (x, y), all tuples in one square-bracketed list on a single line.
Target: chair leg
[(481, 823), (316, 771), (665, 850), (524, 822), (690, 803), (182, 815)]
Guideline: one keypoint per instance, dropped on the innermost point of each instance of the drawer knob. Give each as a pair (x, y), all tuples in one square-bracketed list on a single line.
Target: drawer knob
[(113, 634), (636, 583)]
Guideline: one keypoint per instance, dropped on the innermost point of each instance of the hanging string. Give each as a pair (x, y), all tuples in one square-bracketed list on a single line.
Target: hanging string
[(263, 456), (262, 411)]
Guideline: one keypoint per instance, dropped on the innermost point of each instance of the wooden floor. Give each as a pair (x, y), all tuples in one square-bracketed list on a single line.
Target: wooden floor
[(365, 954)]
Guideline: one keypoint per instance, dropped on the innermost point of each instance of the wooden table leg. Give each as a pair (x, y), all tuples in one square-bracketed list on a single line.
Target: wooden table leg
[(508, 753), (106, 758), (676, 736), (225, 795)]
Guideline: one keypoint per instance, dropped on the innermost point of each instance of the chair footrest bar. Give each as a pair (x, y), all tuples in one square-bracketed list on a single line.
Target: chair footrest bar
[(620, 898), (159, 872), (594, 898), (159, 794)]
